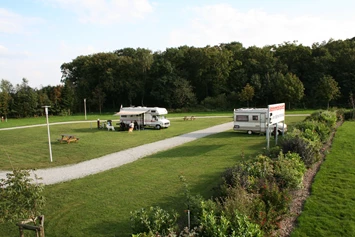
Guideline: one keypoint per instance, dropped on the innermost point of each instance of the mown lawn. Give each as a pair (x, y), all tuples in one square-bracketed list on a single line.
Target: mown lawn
[(28, 147), (329, 211), (100, 204)]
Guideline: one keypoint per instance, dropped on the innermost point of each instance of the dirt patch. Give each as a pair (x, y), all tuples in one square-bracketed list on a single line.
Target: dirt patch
[(300, 196)]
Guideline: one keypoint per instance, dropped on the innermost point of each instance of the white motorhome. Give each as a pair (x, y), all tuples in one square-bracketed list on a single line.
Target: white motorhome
[(255, 120), (144, 116)]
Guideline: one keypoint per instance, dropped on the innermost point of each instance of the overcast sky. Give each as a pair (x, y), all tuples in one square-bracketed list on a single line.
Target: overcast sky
[(38, 36)]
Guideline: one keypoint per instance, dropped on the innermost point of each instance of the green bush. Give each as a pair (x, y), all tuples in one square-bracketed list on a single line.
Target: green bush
[(270, 206), (349, 114), (308, 150), (153, 220), (215, 224), (246, 174), (237, 198), (20, 197), (289, 170), (219, 102), (273, 152), (324, 116), (318, 130)]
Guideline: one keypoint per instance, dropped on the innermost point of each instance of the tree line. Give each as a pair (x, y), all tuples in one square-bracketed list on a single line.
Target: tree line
[(219, 77)]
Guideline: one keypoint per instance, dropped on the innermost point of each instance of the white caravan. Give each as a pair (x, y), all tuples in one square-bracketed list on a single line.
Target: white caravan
[(254, 120), (144, 116)]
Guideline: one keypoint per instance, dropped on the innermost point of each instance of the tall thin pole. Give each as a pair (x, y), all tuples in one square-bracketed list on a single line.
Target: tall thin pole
[(49, 134), (85, 108)]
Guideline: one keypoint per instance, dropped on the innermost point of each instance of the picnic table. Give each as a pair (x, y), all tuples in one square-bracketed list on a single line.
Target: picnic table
[(68, 138)]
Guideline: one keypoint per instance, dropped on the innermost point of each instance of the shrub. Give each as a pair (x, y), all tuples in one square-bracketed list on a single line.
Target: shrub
[(327, 117), (218, 102), (20, 197), (273, 152), (215, 224), (308, 151), (270, 206), (349, 114), (192, 202), (246, 174), (153, 220), (289, 170), (236, 176), (318, 131)]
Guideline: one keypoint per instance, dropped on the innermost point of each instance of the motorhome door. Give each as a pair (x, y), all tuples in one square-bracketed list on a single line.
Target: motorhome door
[(262, 120)]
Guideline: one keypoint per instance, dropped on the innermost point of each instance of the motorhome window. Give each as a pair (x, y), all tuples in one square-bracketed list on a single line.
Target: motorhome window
[(124, 116), (153, 111), (255, 117), (242, 118)]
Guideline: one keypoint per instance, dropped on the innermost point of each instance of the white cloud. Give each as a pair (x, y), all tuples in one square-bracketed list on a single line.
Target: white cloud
[(105, 11), (12, 23), (12, 54), (215, 24)]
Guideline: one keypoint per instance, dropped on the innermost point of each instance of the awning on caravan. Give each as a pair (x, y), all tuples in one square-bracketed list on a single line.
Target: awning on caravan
[(136, 112)]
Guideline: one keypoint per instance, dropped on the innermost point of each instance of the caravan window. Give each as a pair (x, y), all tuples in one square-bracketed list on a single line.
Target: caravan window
[(123, 116), (244, 118), (255, 117)]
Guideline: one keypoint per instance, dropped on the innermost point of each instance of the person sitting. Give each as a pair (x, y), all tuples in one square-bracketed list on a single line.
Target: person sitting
[(131, 127)]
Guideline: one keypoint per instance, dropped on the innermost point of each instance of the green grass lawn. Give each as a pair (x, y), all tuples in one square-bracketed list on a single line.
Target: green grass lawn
[(28, 147), (329, 211), (100, 204)]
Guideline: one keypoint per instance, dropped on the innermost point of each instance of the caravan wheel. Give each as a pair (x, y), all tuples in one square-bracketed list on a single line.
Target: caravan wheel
[(158, 126), (250, 132)]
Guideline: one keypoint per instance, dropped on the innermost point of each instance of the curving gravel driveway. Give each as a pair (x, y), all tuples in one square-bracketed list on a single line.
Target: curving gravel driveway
[(76, 171)]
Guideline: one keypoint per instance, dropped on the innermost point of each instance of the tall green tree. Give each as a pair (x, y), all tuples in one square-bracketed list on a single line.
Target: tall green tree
[(287, 88), (183, 94), (6, 89), (25, 100), (143, 63), (98, 98), (247, 94), (328, 89), (67, 98)]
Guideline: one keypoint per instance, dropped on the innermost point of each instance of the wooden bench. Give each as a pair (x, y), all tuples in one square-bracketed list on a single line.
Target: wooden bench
[(37, 227)]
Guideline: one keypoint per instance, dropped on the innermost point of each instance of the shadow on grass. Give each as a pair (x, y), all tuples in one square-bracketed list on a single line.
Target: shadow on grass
[(110, 228), (187, 152)]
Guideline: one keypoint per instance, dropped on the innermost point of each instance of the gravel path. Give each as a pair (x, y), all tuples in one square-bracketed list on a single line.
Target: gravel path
[(69, 172)]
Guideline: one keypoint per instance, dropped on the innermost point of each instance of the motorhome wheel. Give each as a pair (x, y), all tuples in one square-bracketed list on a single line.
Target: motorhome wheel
[(157, 126), (250, 132)]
